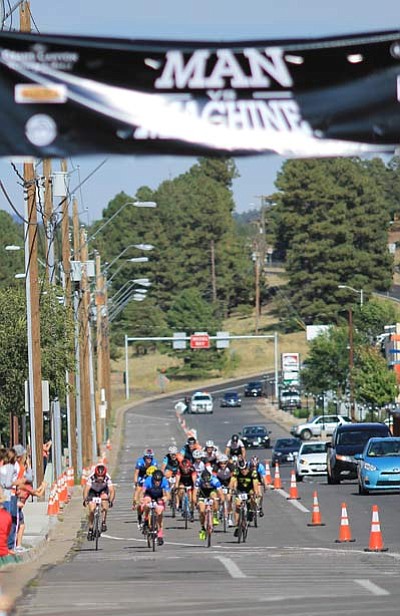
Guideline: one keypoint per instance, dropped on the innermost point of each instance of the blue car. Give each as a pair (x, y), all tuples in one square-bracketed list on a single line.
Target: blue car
[(231, 398), (379, 465)]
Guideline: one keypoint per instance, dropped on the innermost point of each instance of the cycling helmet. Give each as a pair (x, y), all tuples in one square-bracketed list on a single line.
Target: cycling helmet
[(209, 443), (150, 470), (242, 464), (223, 458), (197, 454), (191, 440), (235, 438), (172, 449), (100, 470), (206, 476), (158, 475), (148, 453), (254, 461)]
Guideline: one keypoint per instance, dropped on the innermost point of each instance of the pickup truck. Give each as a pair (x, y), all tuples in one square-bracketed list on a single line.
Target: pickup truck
[(317, 424), (289, 400)]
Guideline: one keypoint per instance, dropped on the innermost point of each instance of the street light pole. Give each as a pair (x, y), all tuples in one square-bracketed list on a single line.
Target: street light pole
[(134, 203), (360, 292)]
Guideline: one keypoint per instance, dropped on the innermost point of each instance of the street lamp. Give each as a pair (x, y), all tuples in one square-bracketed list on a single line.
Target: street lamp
[(133, 260), (360, 292), (134, 203), (138, 246)]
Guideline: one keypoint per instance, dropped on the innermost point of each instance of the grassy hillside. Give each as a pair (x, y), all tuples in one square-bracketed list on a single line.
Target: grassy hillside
[(251, 357)]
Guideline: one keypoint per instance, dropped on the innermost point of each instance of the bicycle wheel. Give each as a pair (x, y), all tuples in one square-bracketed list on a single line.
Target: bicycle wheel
[(173, 502), (185, 509), (96, 527), (209, 527), (153, 530), (240, 525)]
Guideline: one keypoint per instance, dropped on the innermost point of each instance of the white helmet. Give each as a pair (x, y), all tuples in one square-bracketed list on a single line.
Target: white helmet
[(197, 454), (172, 449), (209, 443), (223, 458)]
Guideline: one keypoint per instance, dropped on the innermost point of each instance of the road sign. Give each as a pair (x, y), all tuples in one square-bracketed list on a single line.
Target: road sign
[(200, 341)]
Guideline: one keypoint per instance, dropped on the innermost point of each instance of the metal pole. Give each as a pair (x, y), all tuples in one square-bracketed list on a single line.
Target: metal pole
[(361, 298), (126, 368), (276, 365), (57, 436), (78, 385), (92, 396)]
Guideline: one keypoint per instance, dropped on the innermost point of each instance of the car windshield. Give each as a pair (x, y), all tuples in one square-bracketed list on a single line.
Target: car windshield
[(231, 395), (313, 448), (358, 437), (254, 431), (383, 449), (289, 394), (283, 443), (201, 397)]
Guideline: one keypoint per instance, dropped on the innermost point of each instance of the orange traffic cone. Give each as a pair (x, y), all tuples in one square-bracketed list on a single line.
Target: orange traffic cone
[(375, 538), (70, 477), (316, 514), (51, 506), (85, 475), (293, 492), (268, 478), (277, 478), (344, 528)]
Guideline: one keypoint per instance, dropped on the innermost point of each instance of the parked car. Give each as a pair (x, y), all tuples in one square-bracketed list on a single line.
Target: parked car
[(201, 402), (314, 426), (285, 450), (348, 440), (289, 399), (231, 398), (255, 436), (254, 389), (311, 459), (379, 465)]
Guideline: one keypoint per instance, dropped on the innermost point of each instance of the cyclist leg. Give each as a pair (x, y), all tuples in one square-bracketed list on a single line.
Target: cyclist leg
[(159, 512), (104, 510)]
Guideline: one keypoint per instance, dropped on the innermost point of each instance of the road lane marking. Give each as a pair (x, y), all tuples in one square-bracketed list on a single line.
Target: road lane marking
[(295, 503), (231, 567), (372, 588)]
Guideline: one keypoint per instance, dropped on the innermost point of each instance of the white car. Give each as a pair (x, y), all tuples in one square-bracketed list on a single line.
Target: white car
[(311, 460), (201, 402), (317, 424)]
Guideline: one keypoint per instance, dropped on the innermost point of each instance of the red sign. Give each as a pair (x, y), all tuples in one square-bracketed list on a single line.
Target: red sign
[(200, 341)]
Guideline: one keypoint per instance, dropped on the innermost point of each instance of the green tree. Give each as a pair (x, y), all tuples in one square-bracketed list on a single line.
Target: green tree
[(327, 364), (370, 320), (375, 384), (331, 224), (12, 262)]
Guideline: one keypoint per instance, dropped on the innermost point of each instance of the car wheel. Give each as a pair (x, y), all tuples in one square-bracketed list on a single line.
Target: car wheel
[(299, 477), (333, 479), (362, 490), (306, 435)]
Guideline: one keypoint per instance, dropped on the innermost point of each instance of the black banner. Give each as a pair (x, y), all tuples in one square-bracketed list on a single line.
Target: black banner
[(63, 96)]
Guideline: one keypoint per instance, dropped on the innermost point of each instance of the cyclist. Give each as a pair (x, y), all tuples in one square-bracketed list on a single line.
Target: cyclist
[(207, 486), (257, 467), (186, 480), (235, 447), (245, 482), (139, 475), (198, 463), (155, 487), (191, 445), (98, 484), (227, 479), (210, 454)]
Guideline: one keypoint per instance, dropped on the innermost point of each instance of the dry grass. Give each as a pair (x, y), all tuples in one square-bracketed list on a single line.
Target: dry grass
[(251, 357)]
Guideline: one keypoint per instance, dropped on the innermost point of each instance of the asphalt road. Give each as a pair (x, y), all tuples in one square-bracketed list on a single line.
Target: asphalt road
[(285, 568)]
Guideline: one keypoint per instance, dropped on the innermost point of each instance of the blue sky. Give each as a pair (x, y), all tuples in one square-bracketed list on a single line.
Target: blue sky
[(214, 20)]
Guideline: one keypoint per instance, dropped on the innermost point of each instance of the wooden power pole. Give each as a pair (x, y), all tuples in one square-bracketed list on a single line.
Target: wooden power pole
[(31, 271)]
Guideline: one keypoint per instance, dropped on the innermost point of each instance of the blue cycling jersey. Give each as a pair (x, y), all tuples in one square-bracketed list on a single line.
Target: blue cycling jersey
[(155, 491), (213, 484)]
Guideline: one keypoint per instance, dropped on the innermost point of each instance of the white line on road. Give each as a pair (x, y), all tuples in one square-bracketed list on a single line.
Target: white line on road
[(231, 567), (372, 588), (295, 503)]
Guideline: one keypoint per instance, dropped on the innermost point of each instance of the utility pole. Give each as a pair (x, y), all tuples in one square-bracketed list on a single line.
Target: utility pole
[(66, 264), (48, 221), (33, 314), (76, 292), (213, 276), (100, 428), (351, 366), (85, 356)]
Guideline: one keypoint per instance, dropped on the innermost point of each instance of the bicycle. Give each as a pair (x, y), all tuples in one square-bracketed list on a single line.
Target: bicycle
[(174, 494), (252, 510), (187, 506), (224, 510), (150, 526), (243, 522), (97, 518), (208, 521)]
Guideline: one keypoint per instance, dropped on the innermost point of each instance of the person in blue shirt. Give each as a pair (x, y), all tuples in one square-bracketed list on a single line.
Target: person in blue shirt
[(207, 486), (142, 466), (155, 488)]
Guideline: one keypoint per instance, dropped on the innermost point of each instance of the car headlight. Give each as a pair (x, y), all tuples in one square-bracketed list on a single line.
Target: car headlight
[(303, 461), (370, 467), (344, 458)]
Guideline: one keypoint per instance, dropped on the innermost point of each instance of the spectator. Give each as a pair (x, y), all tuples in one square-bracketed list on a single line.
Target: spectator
[(46, 453), (5, 526), (24, 475), (8, 481)]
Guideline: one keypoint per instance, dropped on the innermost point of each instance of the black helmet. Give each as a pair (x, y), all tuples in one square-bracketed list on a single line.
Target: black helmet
[(158, 475), (235, 438), (191, 440), (206, 476)]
